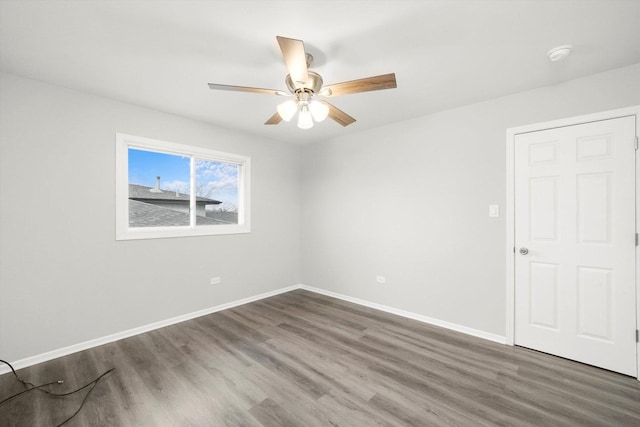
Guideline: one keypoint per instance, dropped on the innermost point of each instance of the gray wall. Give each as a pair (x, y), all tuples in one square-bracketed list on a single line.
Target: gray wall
[(410, 201), (63, 277)]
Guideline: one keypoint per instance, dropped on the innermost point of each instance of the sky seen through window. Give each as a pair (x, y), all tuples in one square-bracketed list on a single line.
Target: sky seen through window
[(214, 180)]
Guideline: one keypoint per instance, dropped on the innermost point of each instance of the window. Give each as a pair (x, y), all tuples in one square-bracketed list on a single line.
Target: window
[(164, 189)]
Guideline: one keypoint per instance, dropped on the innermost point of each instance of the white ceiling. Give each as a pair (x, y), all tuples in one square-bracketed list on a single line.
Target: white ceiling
[(445, 53)]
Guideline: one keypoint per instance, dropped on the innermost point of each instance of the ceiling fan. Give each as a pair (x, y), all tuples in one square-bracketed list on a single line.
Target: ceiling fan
[(305, 86)]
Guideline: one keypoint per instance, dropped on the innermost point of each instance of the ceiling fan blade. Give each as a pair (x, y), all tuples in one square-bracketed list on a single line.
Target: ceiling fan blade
[(274, 120), (385, 81), (338, 115), (247, 89), (295, 58)]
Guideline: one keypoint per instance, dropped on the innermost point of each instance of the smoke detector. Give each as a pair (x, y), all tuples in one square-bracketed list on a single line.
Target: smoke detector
[(559, 53)]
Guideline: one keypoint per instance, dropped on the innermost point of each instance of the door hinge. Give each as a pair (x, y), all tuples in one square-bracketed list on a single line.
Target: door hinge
[(635, 144), (636, 239), (637, 336)]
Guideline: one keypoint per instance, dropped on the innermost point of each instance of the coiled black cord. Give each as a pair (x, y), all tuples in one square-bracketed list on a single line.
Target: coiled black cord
[(40, 388)]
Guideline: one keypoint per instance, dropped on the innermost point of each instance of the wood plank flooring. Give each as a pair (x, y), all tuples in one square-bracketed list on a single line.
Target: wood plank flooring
[(304, 359)]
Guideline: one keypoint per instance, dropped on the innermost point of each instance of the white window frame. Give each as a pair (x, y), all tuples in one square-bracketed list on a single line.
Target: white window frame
[(124, 232)]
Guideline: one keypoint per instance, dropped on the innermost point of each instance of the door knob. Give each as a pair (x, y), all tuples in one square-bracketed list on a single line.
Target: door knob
[(524, 251)]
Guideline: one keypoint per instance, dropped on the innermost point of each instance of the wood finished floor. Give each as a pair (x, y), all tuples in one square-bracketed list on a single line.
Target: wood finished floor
[(304, 359)]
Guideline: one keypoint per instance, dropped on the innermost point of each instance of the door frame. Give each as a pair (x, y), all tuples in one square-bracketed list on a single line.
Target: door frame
[(510, 208)]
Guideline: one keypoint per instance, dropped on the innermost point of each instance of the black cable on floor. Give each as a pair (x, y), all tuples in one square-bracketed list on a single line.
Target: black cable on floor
[(35, 387), (92, 384), (32, 387), (16, 375)]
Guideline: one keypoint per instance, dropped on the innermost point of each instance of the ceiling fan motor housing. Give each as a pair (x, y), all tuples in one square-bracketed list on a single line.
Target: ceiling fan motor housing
[(313, 84)]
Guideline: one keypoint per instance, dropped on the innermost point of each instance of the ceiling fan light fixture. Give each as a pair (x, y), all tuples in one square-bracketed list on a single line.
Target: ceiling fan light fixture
[(287, 110), (305, 121), (303, 85), (318, 110)]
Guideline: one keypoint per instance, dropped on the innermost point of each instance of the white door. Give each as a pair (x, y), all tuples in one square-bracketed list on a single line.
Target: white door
[(575, 243)]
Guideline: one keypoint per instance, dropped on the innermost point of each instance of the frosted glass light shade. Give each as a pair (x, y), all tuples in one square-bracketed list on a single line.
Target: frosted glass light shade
[(319, 110), (305, 121), (287, 110)]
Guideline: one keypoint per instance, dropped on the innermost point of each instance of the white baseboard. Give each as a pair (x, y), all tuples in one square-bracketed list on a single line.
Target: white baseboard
[(425, 319), (33, 360)]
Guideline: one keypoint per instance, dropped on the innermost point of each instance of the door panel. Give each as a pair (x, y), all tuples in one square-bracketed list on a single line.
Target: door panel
[(543, 206), (575, 213), (594, 208), (594, 303), (543, 294)]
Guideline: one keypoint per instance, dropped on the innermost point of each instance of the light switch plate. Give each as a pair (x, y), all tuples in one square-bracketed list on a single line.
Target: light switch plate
[(494, 211)]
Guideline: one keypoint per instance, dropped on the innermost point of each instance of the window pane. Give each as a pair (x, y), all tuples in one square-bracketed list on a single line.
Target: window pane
[(217, 192), (158, 189)]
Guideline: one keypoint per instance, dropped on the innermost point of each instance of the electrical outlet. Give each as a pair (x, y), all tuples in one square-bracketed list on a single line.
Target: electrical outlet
[(381, 279), (214, 281)]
